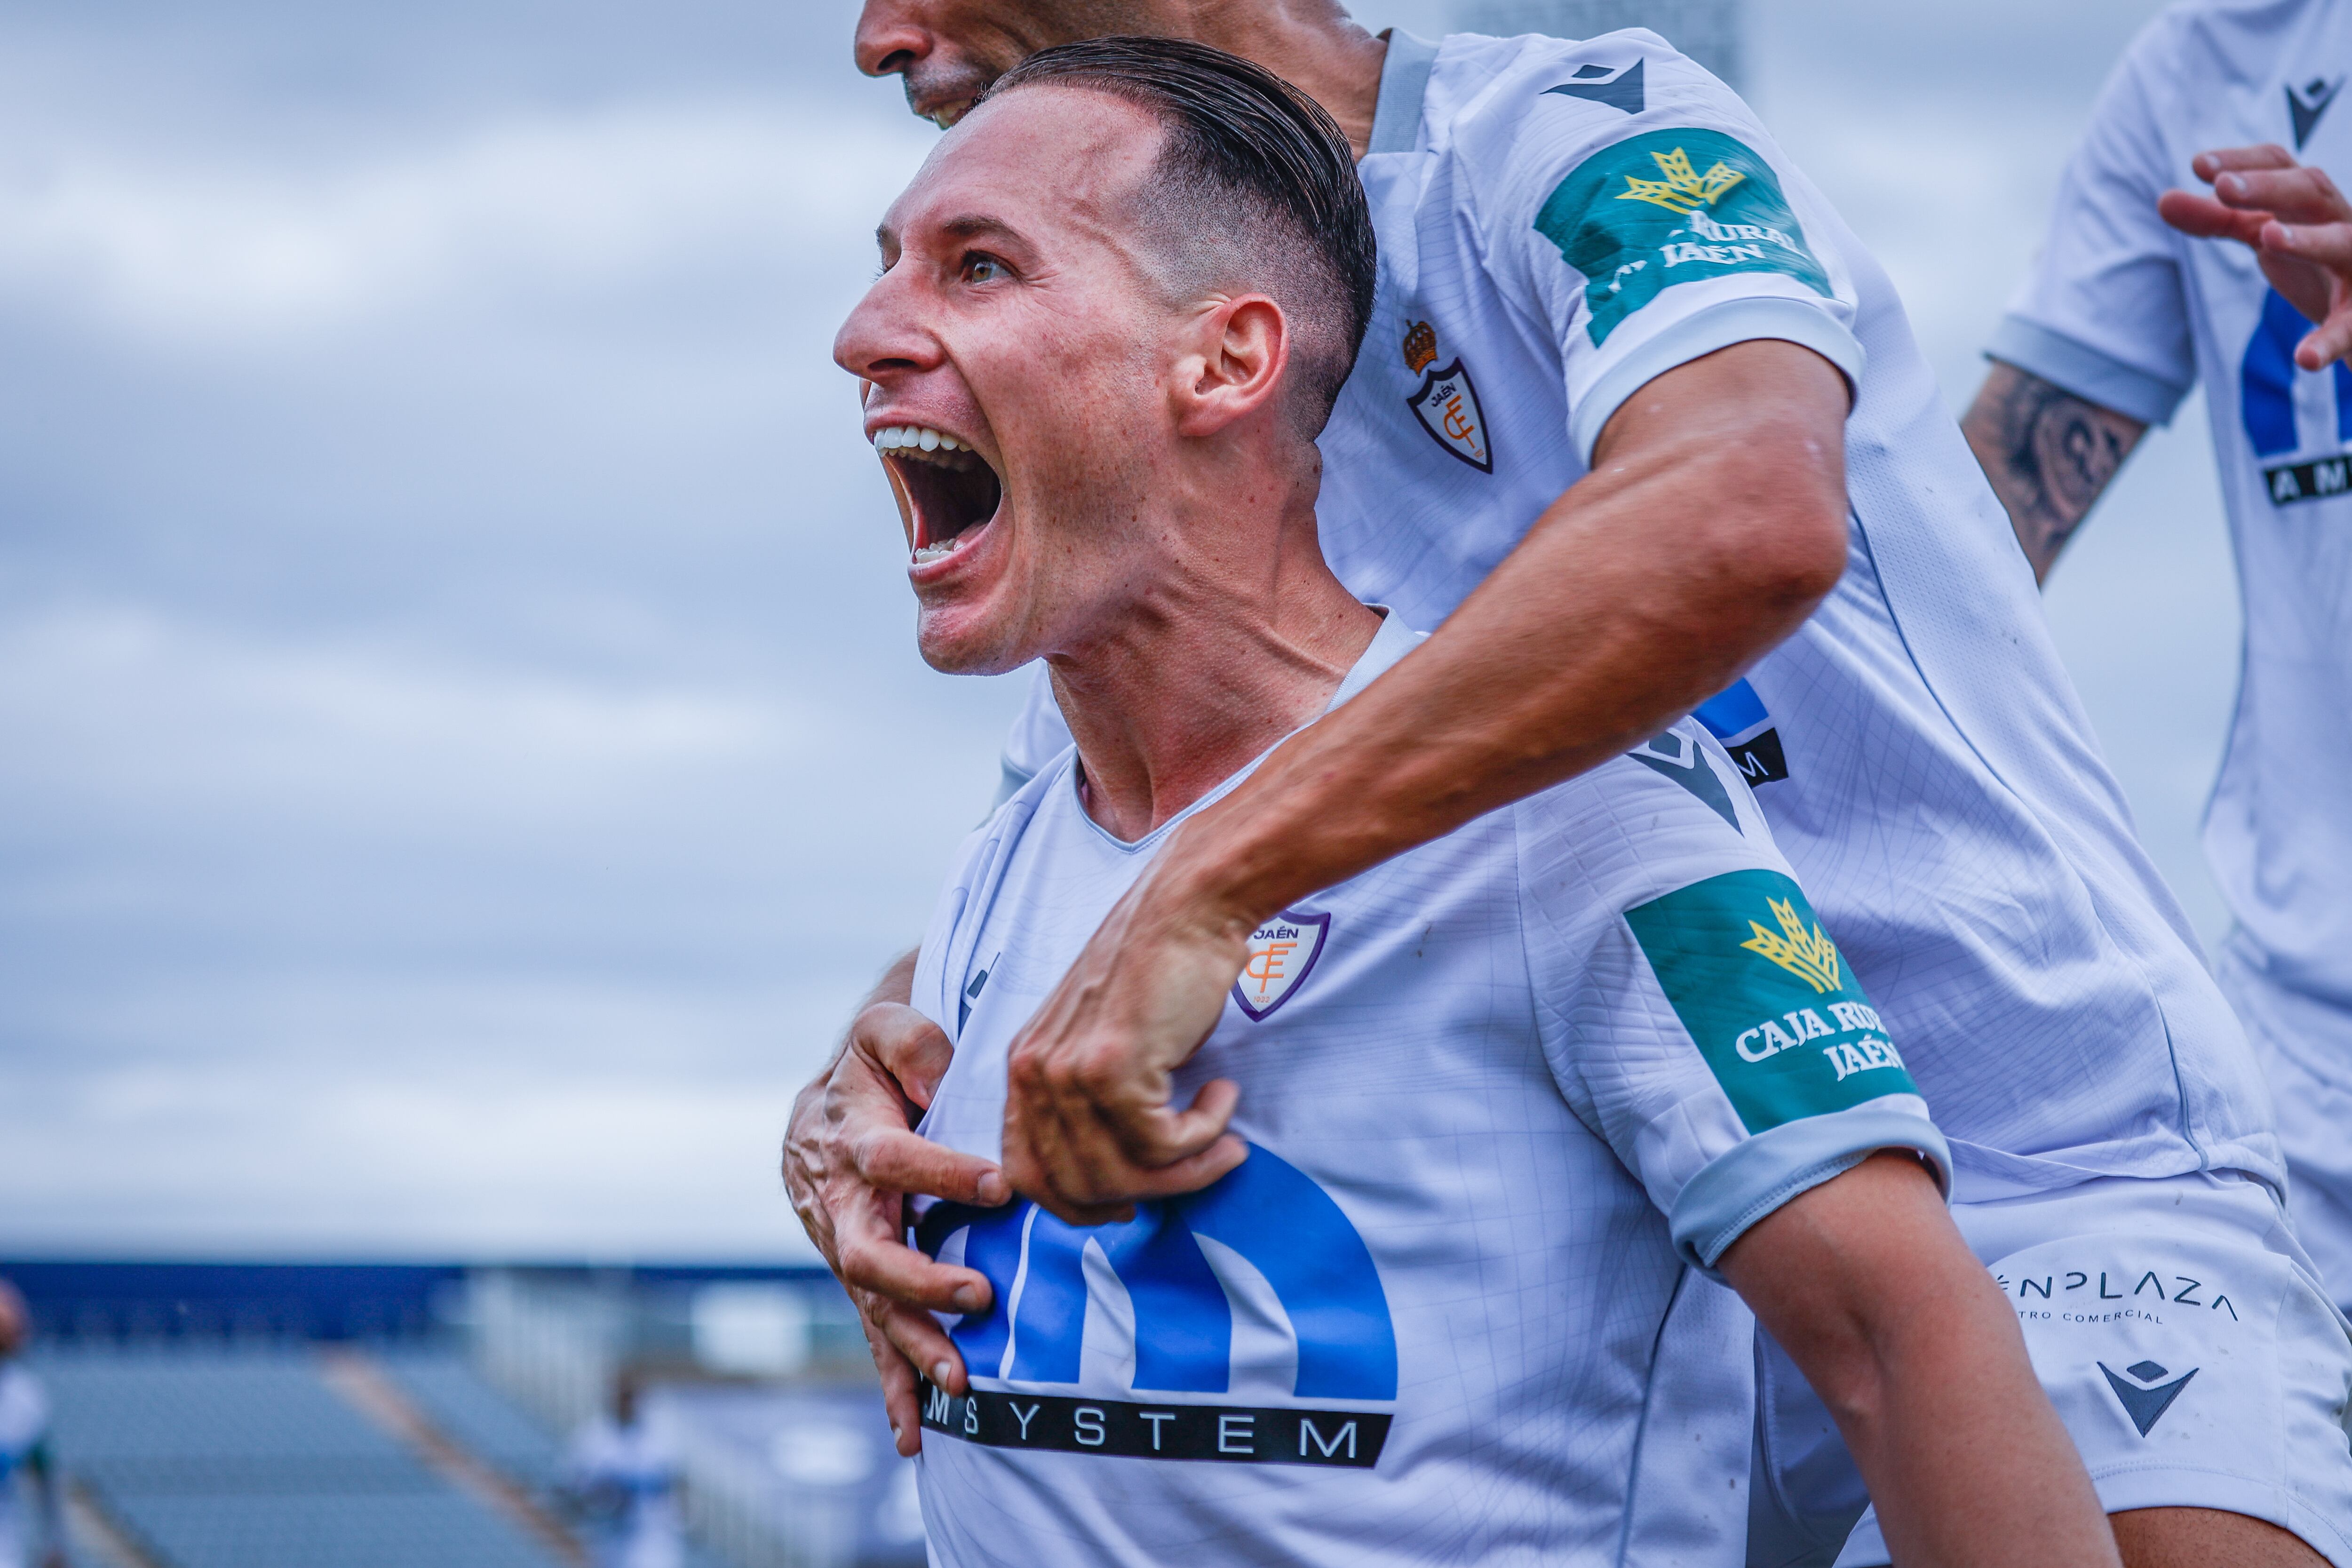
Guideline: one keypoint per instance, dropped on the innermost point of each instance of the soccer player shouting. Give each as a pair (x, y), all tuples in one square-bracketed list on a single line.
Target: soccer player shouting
[(2120, 316), (1502, 1100), (1642, 426)]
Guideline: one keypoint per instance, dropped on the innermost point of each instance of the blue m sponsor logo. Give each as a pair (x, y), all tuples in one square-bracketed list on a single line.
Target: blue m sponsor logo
[(1738, 716), (2266, 381), (1266, 1213)]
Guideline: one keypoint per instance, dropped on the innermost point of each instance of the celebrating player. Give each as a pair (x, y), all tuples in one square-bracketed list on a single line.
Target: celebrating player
[(1502, 1094), (2120, 316), (1615, 344)]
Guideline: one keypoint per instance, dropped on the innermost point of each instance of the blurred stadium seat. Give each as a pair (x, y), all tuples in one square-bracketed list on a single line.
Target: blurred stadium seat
[(222, 1416), (475, 1417), (210, 1457)]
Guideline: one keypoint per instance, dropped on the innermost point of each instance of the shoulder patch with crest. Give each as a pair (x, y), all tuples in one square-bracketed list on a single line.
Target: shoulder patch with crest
[(1667, 207), (1768, 997)]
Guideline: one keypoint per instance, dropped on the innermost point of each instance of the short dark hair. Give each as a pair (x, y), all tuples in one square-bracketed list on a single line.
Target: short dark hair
[(1256, 185)]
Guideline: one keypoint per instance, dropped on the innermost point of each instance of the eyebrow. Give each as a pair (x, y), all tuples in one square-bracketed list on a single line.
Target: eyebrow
[(973, 224), (969, 226)]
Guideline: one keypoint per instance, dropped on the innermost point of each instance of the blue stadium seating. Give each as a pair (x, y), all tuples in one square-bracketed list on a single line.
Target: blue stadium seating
[(474, 1416), (219, 1457)]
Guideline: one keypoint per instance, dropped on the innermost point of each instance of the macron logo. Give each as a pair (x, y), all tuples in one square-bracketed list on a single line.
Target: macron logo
[(2143, 1398), (1596, 84)]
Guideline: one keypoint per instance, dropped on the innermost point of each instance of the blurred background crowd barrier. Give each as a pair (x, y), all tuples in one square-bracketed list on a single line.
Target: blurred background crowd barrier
[(211, 1416)]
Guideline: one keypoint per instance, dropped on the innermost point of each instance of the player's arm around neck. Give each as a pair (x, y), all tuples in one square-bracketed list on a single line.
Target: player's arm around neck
[(1867, 1285), (1712, 523)]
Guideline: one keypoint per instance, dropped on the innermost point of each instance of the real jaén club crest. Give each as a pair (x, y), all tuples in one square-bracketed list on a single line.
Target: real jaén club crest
[(1447, 405), (1282, 952)]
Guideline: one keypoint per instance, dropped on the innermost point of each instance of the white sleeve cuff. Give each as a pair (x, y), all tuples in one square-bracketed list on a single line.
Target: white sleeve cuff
[(2088, 373), (1717, 326), (1716, 1207)]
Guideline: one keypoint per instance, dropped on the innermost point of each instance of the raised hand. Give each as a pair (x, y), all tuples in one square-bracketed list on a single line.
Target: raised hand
[(2296, 223)]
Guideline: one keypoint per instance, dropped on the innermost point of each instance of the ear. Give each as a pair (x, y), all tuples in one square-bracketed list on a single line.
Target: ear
[(1233, 366)]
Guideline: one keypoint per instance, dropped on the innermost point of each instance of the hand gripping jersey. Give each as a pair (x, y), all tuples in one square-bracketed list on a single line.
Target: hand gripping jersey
[(1506, 1097), (1560, 223), (2126, 312)]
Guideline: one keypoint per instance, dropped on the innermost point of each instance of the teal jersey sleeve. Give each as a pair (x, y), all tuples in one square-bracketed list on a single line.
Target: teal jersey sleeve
[(1697, 1013), (1640, 210)]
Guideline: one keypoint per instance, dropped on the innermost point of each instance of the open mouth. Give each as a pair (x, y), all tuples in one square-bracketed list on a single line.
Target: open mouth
[(950, 490)]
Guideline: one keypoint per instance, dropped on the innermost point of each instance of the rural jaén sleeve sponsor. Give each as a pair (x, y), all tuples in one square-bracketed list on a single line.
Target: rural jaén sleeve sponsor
[(1673, 207)]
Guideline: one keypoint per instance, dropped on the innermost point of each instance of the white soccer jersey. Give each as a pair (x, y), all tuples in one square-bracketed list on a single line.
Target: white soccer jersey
[(2124, 310), (1506, 1096), (24, 1428), (629, 1476), (1560, 222)]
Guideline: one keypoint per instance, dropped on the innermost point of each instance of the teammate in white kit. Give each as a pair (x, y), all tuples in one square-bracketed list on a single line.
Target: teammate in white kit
[(24, 1446), (622, 1478), (1508, 1096), (2121, 315), (1614, 334)]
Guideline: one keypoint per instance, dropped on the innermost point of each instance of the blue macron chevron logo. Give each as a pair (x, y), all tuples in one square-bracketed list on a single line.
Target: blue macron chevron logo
[(2306, 106), (1620, 89), (2143, 1398), (1266, 1211)]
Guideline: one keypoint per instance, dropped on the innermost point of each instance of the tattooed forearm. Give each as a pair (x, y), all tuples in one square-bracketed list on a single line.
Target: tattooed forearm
[(2048, 453)]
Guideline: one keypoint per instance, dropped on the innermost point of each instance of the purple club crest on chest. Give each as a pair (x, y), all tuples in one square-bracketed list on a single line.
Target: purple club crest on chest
[(1282, 954)]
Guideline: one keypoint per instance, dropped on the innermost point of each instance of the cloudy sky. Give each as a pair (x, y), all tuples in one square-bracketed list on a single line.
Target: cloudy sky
[(463, 750)]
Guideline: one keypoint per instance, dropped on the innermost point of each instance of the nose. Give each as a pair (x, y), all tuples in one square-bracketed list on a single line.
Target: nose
[(890, 37), (885, 340)]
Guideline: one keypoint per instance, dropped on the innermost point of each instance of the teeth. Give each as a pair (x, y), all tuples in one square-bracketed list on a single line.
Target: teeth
[(944, 547), (920, 437)]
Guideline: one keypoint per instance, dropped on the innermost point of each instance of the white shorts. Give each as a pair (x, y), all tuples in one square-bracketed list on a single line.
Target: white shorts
[(2181, 1334), (2305, 1049)]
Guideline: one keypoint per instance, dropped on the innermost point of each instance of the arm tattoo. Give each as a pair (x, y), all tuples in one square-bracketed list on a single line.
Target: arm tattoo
[(2048, 453)]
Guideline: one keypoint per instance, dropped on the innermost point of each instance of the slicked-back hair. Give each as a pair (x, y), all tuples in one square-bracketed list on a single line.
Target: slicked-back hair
[(1254, 189)]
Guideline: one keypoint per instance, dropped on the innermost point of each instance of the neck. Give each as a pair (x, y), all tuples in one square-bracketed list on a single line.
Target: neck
[(1311, 44), (1206, 667)]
